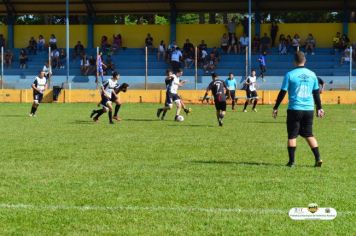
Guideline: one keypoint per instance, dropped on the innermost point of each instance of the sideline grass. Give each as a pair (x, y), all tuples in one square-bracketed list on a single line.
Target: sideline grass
[(143, 176)]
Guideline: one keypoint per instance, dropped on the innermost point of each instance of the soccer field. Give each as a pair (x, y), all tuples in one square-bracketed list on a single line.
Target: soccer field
[(63, 174)]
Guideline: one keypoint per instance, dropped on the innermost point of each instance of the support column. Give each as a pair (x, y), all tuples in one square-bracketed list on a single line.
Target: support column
[(345, 24), (90, 36), (10, 31), (173, 22), (257, 20)]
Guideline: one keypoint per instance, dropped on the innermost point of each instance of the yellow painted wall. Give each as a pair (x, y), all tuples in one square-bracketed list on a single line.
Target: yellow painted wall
[(23, 34), (352, 32), (322, 32), (3, 31), (133, 36)]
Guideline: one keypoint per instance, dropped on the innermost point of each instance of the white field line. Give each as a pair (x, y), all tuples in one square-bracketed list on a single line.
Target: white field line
[(257, 211)]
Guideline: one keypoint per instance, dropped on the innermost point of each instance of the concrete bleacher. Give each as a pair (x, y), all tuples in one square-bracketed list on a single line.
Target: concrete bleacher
[(131, 63)]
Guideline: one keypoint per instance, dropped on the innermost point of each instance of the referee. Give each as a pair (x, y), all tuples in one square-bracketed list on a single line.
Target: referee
[(303, 91)]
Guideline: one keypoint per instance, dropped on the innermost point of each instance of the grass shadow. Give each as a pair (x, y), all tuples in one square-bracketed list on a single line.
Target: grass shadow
[(267, 122), (187, 125), (146, 120), (13, 115), (247, 163), (86, 122)]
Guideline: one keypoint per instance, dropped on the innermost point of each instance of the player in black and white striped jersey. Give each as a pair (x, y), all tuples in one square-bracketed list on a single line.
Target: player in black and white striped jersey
[(38, 87), (251, 91)]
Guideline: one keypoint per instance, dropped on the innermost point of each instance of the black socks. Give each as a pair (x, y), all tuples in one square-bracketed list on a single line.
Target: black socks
[(316, 153), (291, 152), (110, 116), (117, 108), (33, 110)]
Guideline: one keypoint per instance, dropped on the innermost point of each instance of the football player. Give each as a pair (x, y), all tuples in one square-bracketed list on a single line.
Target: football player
[(38, 87)]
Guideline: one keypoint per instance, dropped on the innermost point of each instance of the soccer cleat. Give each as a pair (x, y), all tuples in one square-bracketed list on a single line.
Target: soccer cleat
[(111, 122), (117, 118), (318, 163), (159, 111), (92, 114), (220, 122), (187, 110), (290, 164), (254, 110), (176, 118), (95, 119)]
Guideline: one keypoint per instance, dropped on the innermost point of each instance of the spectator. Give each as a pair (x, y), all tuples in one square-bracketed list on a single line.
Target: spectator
[(32, 46), (274, 31), (224, 42), (296, 42), (189, 59), (55, 59), (149, 42), (2, 41), (288, 43), (243, 43), (216, 53), (110, 66), (47, 70), (176, 57), (84, 65), (62, 59), (265, 43), (210, 64), (233, 44), (203, 46), (23, 59), (78, 50), (8, 59), (231, 28), (53, 42), (336, 42), (41, 43), (161, 51), (344, 42), (256, 43), (203, 56), (245, 25), (321, 84), (105, 46), (310, 44), (92, 66), (116, 42), (346, 56), (262, 61), (187, 46), (282, 48)]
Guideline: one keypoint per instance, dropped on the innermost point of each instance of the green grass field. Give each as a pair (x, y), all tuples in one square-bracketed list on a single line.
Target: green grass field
[(63, 174)]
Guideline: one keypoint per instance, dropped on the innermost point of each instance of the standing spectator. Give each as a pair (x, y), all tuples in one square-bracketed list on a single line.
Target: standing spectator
[(8, 58), (265, 43), (32, 46), (336, 42), (149, 42), (116, 42), (100, 66), (231, 28), (53, 42), (203, 46), (175, 59), (41, 43), (47, 70), (2, 41), (310, 44), (296, 42), (62, 59), (161, 51), (243, 43), (321, 84), (55, 59), (23, 59), (78, 50), (274, 32), (224, 42), (256, 42), (84, 65), (171, 47), (203, 54), (233, 44), (344, 42), (346, 56), (289, 43), (262, 61), (105, 46), (282, 48), (187, 46)]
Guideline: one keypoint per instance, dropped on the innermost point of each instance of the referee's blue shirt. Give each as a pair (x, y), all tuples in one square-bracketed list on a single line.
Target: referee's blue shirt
[(300, 84), (231, 84)]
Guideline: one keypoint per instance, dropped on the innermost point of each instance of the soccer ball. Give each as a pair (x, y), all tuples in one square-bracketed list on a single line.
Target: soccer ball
[(180, 118)]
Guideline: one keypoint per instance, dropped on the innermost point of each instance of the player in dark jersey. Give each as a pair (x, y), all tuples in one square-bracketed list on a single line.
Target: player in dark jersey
[(38, 87), (218, 89), (116, 99)]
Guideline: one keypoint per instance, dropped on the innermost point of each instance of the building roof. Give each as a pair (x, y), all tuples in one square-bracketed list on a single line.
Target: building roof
[(99, 7)]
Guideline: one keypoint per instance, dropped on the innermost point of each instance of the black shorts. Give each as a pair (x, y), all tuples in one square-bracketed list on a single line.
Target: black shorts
[(232, 94), (263, 68), (104, 101), (38, 97), (300, 123), (251, 94), (220, 106), (170, 98)]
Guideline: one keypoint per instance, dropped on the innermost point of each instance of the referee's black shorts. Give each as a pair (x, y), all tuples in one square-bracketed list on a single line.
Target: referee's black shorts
[(300, 123)]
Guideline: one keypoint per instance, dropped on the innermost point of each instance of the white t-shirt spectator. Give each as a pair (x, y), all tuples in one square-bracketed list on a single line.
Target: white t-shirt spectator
[(295, 42), (204, 54), (176, 55), (46, 70), (161, 48), (86, 62), (55, 53), (52, 40), (42, 41), (244, 41)]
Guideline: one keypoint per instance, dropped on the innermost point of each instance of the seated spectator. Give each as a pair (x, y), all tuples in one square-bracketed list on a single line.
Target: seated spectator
[(92, 66), (161, 51), (53, 42), (105, 46), (203, 46), (265, 43), (8, 59), (116, 42), (32, 46), (203, 56), (289, 43), (256, 42), (210, 64), (110, 66), (224, 42), (2, 41), (23, 59), (282, 48), (187, 46), (176, 57), (55, 59), (84, 65), (346, 56), (78, 50), (296, 42), (243, 43), (189, 58), (336, 42), (41, 43), (344, 42), (47, 70), (233, 44), (216, 53), (62, 59), (171, 47), (149, 42), (310, 44)]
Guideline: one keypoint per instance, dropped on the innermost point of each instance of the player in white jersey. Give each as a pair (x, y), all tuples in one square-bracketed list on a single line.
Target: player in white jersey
[(251, 91), (107, 89), (38, 87)]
